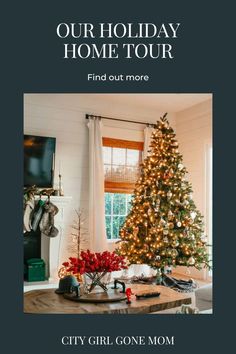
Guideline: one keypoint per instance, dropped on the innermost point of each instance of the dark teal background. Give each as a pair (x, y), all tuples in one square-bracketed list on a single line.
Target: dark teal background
[(31, 62)]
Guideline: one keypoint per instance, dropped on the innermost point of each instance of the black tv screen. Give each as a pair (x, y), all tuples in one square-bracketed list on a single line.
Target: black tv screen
[(39, 152)]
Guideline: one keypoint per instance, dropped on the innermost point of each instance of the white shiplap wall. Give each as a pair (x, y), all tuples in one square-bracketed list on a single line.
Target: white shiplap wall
[(67, 126), (194, 133)]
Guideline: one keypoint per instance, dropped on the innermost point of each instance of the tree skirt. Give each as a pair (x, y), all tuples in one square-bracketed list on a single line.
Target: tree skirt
[(180, 285)]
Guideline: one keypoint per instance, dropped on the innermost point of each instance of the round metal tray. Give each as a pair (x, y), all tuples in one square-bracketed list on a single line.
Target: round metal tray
[(112, 295)]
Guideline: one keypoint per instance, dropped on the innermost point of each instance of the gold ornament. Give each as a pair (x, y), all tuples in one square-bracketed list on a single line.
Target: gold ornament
[(152, 218), (174, 143), (191, 261), (162, 222), (204, 238), (175, 243), (150, 212), (174, 253)]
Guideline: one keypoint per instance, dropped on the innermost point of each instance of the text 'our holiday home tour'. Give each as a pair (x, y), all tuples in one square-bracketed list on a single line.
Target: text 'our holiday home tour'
[(108, 33)]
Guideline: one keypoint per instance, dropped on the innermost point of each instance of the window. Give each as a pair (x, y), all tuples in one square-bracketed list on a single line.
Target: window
[(122, 160), (117, 206)]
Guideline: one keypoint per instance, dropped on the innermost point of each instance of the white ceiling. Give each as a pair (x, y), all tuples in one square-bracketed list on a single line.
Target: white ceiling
[(155, 102), (171, 102)]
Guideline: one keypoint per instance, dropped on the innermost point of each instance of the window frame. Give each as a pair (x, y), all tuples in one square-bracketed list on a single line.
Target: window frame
[(112, 215), (121, 187)]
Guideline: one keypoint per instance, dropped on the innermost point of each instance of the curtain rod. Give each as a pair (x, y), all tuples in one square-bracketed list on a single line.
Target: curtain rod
[(118, 119)]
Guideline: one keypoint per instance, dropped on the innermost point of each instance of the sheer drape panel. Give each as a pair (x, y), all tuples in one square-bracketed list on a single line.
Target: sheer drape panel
[(97, 229), (147, 140), (143, 269)]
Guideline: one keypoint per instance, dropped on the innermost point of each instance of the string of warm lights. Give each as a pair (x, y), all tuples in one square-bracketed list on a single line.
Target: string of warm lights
[(164, 226)]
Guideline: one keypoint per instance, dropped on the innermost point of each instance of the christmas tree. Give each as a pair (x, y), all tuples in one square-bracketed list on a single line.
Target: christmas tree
[(163, 226)]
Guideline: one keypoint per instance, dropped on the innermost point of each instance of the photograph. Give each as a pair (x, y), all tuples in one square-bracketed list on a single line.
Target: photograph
[(117, 203)]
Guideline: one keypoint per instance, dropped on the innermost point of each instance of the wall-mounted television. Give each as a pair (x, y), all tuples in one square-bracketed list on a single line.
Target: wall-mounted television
[(39, 157)]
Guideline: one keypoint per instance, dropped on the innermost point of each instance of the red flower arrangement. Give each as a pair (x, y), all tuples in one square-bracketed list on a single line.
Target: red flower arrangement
[(95, 265)]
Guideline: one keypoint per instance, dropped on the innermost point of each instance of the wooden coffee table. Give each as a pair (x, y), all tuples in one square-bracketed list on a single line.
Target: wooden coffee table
[(47, 301)]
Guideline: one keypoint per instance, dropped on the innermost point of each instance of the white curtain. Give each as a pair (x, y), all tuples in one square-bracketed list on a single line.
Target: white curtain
[(147, 140), (97, 229), (143, 269)]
